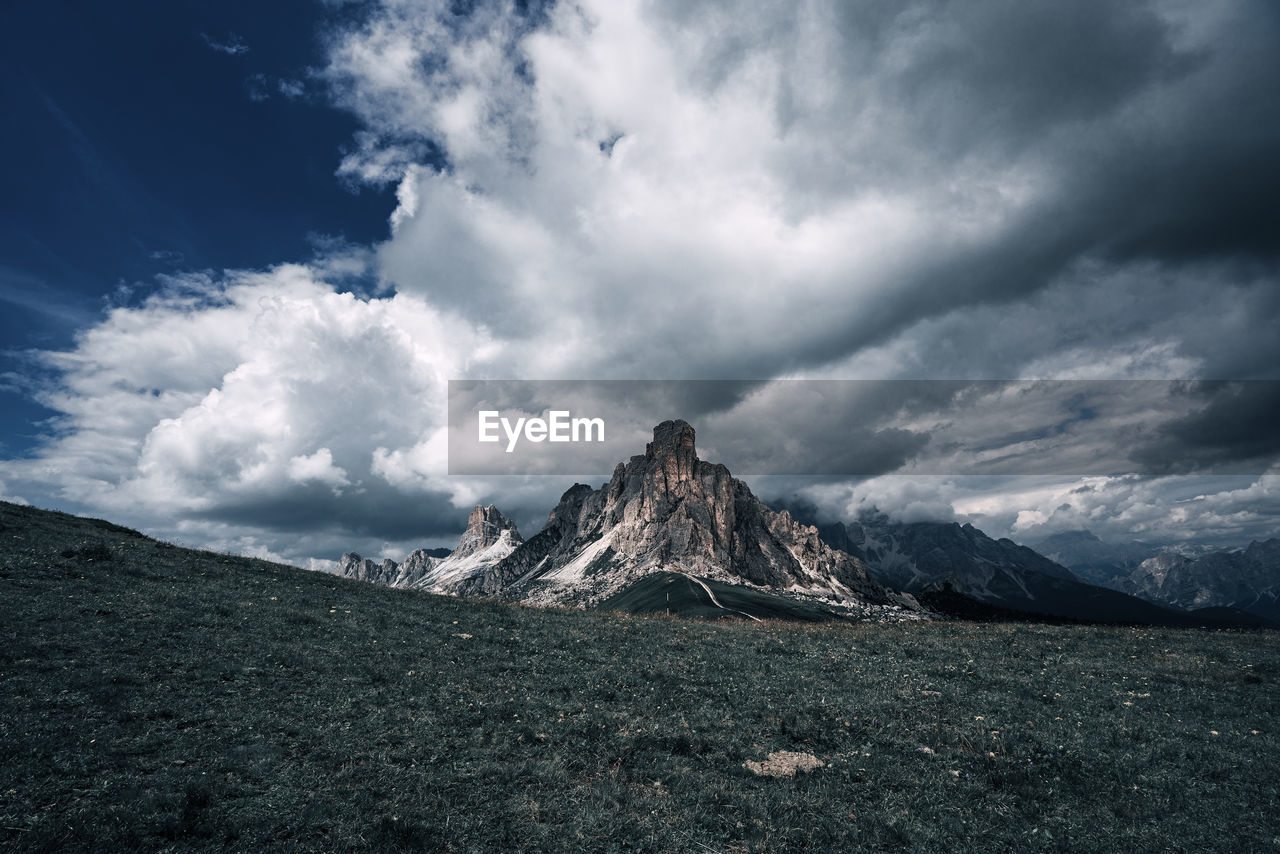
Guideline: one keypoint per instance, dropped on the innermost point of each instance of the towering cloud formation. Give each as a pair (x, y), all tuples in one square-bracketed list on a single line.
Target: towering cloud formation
[(712, 175), (666, 190)]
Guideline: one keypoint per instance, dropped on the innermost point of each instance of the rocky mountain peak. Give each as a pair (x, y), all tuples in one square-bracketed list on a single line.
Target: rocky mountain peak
[(672, 452), (489, 538), (671, 437), (570, 505), (667, 511), (664, 513), (485, 526)]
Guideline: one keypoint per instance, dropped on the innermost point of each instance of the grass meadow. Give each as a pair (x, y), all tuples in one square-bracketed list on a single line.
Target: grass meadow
[(158, 698)]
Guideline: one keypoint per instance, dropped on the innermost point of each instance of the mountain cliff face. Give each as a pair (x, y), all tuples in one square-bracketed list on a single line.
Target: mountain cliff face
[(667, 510), (664, 514), (1248, 579), (363, 569), (488, 538)]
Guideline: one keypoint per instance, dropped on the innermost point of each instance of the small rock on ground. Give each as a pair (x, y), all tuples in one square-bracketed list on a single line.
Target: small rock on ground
[(784, 763)]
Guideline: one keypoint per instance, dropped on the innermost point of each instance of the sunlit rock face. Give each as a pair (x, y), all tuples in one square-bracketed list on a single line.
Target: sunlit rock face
[(488, 538), (667, 510)]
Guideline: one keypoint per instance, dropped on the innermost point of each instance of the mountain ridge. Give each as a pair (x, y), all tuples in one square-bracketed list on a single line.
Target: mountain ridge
[(943, 561), (1187, 577), (668, 511), (664, 510), (488, 538)]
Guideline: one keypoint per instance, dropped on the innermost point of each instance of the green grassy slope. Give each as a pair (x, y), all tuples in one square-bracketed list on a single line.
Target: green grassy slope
[(674, 594), (664, 593), (153, 697)]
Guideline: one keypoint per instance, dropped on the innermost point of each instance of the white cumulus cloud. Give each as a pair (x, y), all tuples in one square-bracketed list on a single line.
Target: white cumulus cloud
[(225, 398), (625, 189)]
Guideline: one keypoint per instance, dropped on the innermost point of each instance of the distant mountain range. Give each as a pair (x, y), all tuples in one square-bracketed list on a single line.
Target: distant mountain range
[(669, 524), (489, 537), (1245, 579), (1092, 559), (931, 558)]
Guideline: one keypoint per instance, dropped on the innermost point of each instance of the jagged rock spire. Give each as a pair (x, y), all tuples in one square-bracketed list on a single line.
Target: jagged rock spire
[(667, 510), (673, 450), (662, 511), (484, 528)]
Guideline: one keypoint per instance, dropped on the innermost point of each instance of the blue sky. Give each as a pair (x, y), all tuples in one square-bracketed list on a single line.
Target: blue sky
[(152, 138), (245, 246)]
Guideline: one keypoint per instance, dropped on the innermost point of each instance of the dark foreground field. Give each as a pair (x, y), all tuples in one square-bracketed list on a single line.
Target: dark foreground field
[(153, 697)]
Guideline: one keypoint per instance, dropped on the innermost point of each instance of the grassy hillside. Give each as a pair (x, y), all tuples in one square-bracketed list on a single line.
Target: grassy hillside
[(672, 593), (153, 697)]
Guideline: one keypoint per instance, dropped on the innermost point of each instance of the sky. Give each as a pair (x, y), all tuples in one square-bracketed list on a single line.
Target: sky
[(244, 248)]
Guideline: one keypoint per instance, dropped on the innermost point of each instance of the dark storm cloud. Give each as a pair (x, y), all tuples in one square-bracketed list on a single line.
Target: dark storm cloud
[(1011, 145), (1169, 155), (1000, 75), (381, 513), (1168, 148), (873, 427), (1150, 146), (1235, 429)]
